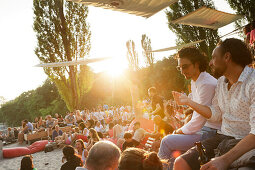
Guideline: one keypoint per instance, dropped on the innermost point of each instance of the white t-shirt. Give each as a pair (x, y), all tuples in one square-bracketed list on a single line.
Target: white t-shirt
[(139, 134)]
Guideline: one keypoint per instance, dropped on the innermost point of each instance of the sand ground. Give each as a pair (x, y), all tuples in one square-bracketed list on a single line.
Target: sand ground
[(42, 161)]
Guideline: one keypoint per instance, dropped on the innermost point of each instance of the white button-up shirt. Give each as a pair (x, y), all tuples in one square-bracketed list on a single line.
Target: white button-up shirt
[(236, 106), (202, 92)]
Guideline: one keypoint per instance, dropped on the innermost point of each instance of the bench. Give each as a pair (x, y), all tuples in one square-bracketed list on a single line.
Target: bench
[(43, 134)]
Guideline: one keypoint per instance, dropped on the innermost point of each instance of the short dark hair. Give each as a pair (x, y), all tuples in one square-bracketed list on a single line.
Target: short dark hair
[(26, 121), (240, 52), (127, 135), (195, 56)]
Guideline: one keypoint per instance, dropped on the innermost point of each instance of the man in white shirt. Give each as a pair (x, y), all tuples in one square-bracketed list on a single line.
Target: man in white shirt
[(233, 103), (192, 64)]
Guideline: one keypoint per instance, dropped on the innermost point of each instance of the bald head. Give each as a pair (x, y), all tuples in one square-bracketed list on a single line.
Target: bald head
[(103, 155)]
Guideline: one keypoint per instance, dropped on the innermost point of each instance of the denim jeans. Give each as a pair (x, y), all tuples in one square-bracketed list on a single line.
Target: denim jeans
[(181, 143)]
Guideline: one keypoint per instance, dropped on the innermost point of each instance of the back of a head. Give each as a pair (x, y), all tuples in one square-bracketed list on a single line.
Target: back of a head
[(194, 56), (102, 155), (70, 156), (139, 159), (26, 163), (240, 53)]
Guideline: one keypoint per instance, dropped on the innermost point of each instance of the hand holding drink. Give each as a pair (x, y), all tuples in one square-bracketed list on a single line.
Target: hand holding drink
[(180, 98)]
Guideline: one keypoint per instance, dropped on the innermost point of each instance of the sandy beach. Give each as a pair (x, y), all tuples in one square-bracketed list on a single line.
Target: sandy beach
[(42, 161)]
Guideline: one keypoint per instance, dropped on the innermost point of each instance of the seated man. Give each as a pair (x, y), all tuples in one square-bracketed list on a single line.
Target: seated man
[(50, 123), (103, 156), (1, 136), (233, 103), (56, 132), (162, 128), (192, 64), (27, 127), (10, 135), (70, 119), (128, 141), (139, 134)]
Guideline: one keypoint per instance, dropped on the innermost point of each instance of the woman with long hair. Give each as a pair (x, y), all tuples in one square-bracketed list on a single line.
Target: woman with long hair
[(81, 149), (93, 138), (72, 160), (27, 163)]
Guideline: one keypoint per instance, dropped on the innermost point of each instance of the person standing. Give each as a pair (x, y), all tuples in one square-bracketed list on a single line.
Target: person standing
[(157, 103)]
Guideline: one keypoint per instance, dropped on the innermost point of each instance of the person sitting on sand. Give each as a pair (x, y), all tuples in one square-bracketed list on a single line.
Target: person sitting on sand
[(73, 160), (50, 124), (94, 138), (56, 132), (40, 125), (104, 155), (81, 149), (27, 127), (27, 163), (66, 138), (10, 135), (128, 141)]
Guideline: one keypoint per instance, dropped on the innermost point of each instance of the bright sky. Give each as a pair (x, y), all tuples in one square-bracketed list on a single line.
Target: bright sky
[(110, 31)]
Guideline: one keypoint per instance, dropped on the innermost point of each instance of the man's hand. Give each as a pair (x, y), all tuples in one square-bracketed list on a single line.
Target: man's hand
[(181, 99), (216, 164), (178, 131)]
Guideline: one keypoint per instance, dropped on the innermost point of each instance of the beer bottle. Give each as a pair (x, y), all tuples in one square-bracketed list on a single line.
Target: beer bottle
[(203, 159)]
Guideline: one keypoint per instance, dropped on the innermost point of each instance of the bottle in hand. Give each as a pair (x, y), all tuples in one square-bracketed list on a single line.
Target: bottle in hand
[(203, 159)]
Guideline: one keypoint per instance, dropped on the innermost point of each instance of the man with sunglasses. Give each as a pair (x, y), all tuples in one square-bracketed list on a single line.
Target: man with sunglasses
[(192, 64), (234, 104)]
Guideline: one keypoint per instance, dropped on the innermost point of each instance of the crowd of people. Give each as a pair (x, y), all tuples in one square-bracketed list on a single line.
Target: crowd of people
[(218, 113)]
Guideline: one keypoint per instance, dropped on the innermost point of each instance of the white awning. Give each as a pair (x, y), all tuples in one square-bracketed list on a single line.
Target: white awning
[(176, 47), (144, 8), (208, 18), (71, 63)]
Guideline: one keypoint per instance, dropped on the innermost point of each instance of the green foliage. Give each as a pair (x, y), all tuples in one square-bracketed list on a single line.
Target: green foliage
[(39, 102), (63, 35), (164, 77), (245, 8), (186, 33)]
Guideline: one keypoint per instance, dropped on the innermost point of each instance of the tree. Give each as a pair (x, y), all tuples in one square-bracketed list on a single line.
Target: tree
[(63, 35), (2, 100), (185, 33), (42, 101), (146, 45), (132, 56), (245, 8)]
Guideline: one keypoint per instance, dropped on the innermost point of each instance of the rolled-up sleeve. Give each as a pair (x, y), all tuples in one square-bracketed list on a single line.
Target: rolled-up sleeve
[(215, 109), (252, 111), (205, 94)]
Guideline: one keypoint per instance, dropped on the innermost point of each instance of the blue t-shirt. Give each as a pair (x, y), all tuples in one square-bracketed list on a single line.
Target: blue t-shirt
[(30, 126)]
